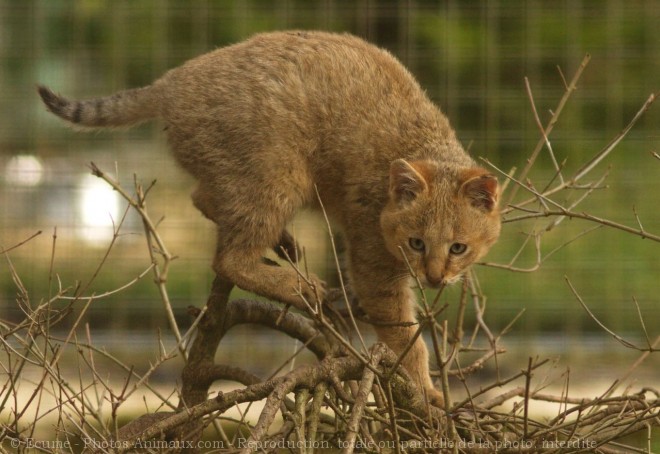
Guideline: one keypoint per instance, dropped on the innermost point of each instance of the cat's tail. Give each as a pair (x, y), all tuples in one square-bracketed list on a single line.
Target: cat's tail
[(124, 108)]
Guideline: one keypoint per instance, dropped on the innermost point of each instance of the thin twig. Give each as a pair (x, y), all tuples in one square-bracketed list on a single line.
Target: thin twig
[(551, 124), (544, 135), (28, 239), (620, 339)]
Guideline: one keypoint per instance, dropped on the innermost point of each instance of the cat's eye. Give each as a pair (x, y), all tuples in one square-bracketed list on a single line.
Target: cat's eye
[(458, 248), (416, 244)]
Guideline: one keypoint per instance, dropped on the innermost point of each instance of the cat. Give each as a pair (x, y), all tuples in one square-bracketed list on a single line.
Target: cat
[(267, 124)]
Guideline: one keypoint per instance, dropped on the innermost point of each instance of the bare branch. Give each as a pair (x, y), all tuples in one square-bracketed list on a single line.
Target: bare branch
[(27, 240), (593, 162), (551, 124), (620, 339), (150, 230), (361, 400)]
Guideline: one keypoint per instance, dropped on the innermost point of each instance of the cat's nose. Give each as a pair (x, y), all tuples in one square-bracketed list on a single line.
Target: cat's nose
[(434, 271), (435, 280)]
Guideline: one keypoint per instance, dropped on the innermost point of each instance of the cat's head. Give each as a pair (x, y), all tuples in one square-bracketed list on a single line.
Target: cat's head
[(442, 218)]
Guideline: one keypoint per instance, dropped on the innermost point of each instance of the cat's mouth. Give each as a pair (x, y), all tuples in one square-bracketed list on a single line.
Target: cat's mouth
[(436, 283)]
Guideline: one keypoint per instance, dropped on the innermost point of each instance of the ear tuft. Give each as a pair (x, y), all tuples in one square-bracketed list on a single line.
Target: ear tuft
[(481, 188), (409, 179)]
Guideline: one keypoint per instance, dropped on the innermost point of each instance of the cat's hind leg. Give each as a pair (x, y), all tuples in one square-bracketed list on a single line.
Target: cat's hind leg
[(248, 224)]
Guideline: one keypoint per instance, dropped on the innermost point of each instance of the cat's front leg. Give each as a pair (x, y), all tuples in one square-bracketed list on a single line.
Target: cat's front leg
[(383, 290), (398, 333)]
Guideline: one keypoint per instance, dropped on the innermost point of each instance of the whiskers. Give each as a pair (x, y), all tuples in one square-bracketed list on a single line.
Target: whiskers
[(401, 277), (456, 279)]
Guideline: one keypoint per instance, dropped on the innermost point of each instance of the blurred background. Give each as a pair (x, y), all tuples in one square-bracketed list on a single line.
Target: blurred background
[(470, 56)]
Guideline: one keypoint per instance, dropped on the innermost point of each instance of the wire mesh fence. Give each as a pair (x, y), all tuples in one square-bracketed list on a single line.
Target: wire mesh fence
[(489, 65)]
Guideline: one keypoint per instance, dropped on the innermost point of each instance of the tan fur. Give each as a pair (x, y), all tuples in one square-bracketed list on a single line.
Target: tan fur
[(260, 123)]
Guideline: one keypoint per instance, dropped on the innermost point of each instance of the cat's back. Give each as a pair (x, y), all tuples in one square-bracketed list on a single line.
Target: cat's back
[(332, 96), (284, 56), (307, 73)]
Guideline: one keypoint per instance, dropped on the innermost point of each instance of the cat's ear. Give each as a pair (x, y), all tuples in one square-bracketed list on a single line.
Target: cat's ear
[(409, 179), (481, 188)]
